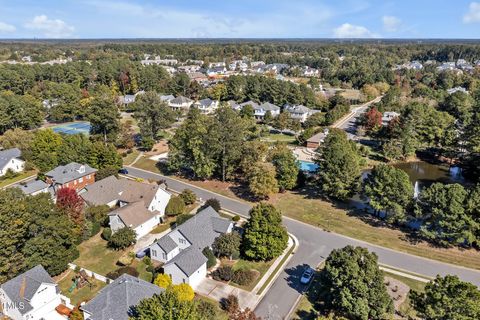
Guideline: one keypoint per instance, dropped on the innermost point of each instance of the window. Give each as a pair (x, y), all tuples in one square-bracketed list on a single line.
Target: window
[(182, 241), (154, 253), (80, 180), (164, 255), (88, 177)]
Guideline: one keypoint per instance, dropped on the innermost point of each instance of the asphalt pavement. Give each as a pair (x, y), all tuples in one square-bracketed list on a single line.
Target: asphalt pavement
[(314, 246)]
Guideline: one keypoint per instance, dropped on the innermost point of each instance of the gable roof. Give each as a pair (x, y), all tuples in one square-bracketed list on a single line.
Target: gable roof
[(116, 300), (189, 260), (28, 282), (133, 214), (167, 244), (267, 106), (167, 97), (7, 155), (297, 109), (134, 191), (32, 186), (69, 172), (205, 102), (180, 100), (250, 103)]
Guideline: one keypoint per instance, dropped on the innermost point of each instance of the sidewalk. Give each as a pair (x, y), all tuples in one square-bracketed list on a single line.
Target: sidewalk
[(248, 299)]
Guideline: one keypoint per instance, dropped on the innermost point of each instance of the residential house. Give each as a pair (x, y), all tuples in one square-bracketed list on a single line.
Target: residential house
[(457, 89), (167, 98), (32, 295), (180, 103), (261, 110), (158, 61), (206, 106), (298, 112), (389, 116), (189, 68), (255, 64), (197, 62), (10, 159), (197, 76), (234, 105), (216, 64), (117, 300), (181, 249), (73, 175), (316, 140), (310, 72), (141, 206), (34, 187), (216, 71)]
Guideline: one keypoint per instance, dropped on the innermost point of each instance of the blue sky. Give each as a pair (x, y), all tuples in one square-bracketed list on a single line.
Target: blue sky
[(239, 19)]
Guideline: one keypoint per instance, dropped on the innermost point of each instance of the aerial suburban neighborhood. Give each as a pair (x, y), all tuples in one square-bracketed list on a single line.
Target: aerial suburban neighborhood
[(193, 161)]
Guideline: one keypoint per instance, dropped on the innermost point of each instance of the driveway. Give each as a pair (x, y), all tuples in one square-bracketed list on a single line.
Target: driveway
[(217, 290), (314, 246)]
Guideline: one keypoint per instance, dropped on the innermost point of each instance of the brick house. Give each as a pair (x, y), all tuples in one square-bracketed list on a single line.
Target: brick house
[(73, 175)]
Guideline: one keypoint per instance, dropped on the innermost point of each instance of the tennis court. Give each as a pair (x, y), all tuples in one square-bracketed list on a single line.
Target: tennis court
[(73, 128)]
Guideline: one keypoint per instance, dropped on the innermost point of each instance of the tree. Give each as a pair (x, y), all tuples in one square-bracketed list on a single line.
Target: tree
[(265, 237), (123, 238), (214, 203), (16, 138), (76, 315), (163, 281), (447, 298), (165, 306), (44, 149), (286, 166), (339, 166), (69, 202), (104, 119), (19, 111), (212, 261), (152, 114), (227, 245), (262, 181), (446, 221), (175, 206), (188, 196), (353, 285), (372, 120), (388, 189), (184, 292)]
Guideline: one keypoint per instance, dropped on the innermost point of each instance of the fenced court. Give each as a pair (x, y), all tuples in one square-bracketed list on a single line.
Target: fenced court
[(73, 128)]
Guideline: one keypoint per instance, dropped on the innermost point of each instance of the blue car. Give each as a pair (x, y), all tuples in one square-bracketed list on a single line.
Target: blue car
[(123, 171)]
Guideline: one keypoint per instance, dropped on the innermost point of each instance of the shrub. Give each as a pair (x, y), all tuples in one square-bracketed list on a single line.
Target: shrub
[(184, 292), (214, 203), (182, 218), (212, 261), (227, 244), (107, 234), (107, 172), (147, 143), (125, 260), (188, 196), (236, 218), (207, 309), (123, 238), (117, 273), (147, 260), (244, 277), (163, 281), (230, 303), (175, 206), (223, 273), (98, 214)]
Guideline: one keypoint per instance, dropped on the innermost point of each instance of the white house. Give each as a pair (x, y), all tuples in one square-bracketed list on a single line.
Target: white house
[(32, 295), (298, 112), (206, 106), (261, 110), (181, 249), (10, 159), (141, 206), (389, 116), (180, 103)]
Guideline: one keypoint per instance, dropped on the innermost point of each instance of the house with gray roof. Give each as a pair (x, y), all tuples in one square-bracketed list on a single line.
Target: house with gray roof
[(10, 159), (206, 106), (298, 112), (261, 110), (73, 175), (181, 249), (117, 300), (140, 206), (33, 187), (180, 103), (31, 295)]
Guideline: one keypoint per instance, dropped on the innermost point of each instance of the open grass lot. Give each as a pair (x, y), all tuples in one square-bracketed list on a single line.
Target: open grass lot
[(279, 137), (21, 176), (325, 215), (97, 257), (130, 157), (79, 295), (147, 164)]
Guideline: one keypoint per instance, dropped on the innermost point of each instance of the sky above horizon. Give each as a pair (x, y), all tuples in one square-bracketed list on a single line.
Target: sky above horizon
[(239, 19)]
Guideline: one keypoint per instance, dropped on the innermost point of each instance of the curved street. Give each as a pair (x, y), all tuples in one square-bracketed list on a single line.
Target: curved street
[(314, 246)]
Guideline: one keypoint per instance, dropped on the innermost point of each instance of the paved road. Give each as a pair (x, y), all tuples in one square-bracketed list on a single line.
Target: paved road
[(314, 246)]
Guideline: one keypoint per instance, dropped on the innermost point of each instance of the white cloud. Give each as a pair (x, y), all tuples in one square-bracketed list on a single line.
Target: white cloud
[(348, 30), (51, 28), (6, 28), (391, 23), (473, 14)]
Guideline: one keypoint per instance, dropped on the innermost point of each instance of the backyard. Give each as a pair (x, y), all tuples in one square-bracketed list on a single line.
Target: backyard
[(78, 295)]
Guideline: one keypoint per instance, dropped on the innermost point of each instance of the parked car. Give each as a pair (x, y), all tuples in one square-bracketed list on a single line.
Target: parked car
[(123, 171), (142, 253), (307, 275)]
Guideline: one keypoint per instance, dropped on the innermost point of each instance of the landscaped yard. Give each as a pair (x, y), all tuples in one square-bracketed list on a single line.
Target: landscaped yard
[(21, 176), (279, 137), (79, 295), (220, 314), (130, 157), (259, 266)]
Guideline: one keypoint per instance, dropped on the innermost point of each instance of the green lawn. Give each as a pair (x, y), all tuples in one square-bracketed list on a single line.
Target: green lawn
[(279, 137), (413, 284), (147, 164), (220, 314), (259, 266), (130, 157), (306, 207), (97, 257), (21, 176), (142, 270), (79, 295)]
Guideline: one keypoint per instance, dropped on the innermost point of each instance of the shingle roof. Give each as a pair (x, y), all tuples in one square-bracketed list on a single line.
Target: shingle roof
[(205, 102), (167, 244), (115, 301), (32, 186), (180, 100), (297, 109), (103, 191), (167, 97), (69, 172), (7, 155), (133, 214), (30, 281), (189, 260), (267, 106), (134, 191), (250, 103)]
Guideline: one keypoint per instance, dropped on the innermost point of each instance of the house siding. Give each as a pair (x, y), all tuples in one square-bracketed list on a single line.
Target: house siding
[(16, 165)]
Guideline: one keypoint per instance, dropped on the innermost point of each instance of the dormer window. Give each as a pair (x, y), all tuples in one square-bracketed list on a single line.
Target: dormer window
[(81, 169)]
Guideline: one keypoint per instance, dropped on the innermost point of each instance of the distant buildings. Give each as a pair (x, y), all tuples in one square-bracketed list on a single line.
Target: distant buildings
[(206, 106), (298, 112), (73, 175), (457, 89), (11, 159), (389, 116)]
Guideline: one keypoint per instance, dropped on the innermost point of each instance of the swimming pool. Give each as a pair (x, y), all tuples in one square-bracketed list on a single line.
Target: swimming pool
[(73, 128), (308, 166)]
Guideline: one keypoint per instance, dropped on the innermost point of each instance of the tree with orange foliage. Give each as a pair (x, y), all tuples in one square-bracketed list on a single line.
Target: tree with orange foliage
[(69, 202), (373, 119)]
